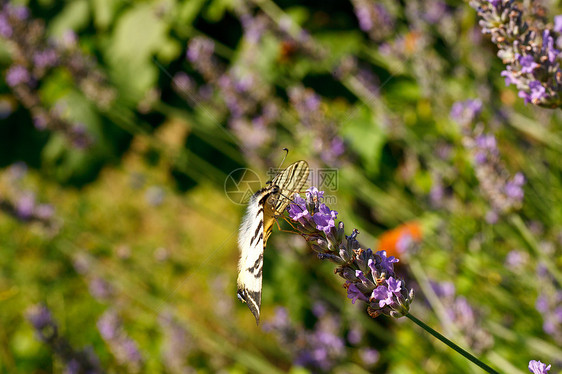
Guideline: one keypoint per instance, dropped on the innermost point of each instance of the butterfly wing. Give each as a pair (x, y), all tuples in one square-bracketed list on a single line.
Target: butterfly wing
[(251, 241), (289, 182), (263, 208)]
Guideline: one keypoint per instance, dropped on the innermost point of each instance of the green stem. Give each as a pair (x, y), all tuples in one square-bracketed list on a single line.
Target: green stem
[(452, 345)]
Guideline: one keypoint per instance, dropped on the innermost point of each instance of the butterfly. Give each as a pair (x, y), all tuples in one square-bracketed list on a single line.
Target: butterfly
[(263, 208)]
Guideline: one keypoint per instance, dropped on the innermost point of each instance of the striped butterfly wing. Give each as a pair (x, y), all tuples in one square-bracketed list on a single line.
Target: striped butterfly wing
[(263, 208), (288, 182)]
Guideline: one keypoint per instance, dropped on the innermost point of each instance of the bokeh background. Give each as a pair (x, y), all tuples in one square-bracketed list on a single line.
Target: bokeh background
[(121, 122)]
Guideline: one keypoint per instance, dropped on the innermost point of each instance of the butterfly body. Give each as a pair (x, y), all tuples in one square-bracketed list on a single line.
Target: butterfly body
[(263, 209)]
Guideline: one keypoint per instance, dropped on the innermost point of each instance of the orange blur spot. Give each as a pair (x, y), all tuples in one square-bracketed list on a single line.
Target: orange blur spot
[(389, 240)]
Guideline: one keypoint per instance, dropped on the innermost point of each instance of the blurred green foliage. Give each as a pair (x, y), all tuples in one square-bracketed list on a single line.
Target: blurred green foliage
[(143, 209)]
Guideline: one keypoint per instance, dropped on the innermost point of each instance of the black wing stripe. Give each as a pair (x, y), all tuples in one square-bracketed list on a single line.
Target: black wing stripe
[(286, 178), (258, 230)]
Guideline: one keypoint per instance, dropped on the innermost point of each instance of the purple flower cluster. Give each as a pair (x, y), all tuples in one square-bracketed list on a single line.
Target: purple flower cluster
[(308, 106), (249, 100), (122, 346), (100, 289), (320, 349), (46, 329), (17, 75), (369, 276), (246, 98), (22, 203), (516, 260), (503, 191), (177, 345), (34, 56), (537, 367), (466, 112), (374, 19), (200, 52), (528, 51), (549, 304), (463, 316)]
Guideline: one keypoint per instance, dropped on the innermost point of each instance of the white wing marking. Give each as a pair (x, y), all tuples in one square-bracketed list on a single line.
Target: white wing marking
[(263, 208)]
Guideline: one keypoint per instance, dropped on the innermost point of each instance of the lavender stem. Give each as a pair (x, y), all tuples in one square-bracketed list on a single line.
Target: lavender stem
[(452, 345)]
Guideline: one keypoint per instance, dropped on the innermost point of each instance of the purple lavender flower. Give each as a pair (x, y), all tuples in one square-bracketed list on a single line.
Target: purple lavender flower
[(373, 18), (532, 62), (100, 289), (558, 24), (177, 344), (537, 367), (535, 94), (35, 55), (45, 58), (354, 293), (463, 315), (445, 290), (69, 39), (386, 262), (325, 218), (504, 194), (298, 211), (528, 64), (44, 211), (319, 309), (319, 349), (466, 111), (513, 188), (200, 48), (17, 75), (354, 336), (46, 329), (18, 11), (42, 320), (183, 83), (5, 27), (435, 11), (254, 27), (549, 303), (369, 277), (123, 347), (548, 47), (40, 121), (17, 170), (516, 259), (26, 206), (509, 76), (383, 295), (337, 147), (369, 356)]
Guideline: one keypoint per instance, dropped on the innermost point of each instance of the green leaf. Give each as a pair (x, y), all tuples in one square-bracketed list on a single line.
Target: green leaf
[(74, 16), (104, 12), (215, 11), (340, 43), (399, 90), (138, 36), (189, 10), (365, 136)]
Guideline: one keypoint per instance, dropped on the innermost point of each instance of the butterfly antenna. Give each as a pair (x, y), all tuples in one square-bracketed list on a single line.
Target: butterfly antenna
[(282, 161), (281, 164)]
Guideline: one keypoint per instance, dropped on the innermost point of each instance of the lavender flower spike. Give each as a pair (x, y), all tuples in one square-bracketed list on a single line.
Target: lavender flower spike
[(369, 276), (46, 330), (527, 50), (537, 367)]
